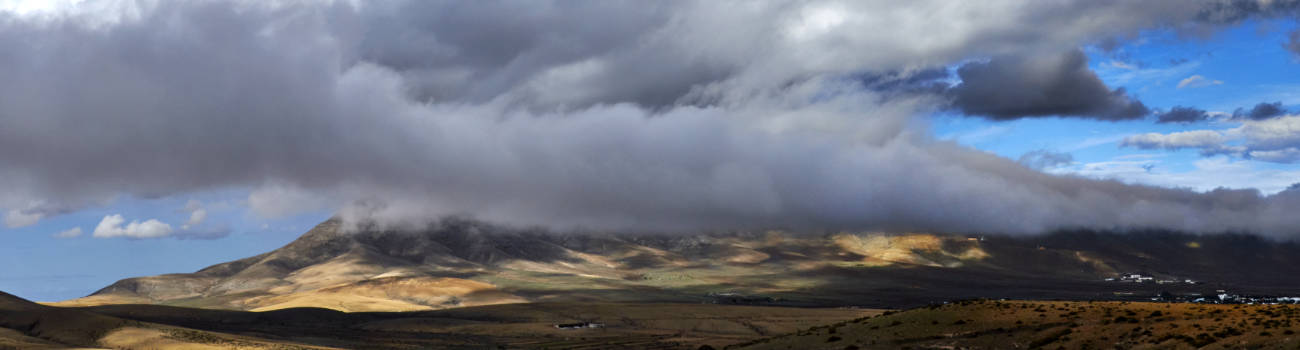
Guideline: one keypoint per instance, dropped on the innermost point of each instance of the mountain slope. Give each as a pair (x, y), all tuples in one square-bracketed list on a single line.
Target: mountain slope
[(464, 263), (31, 324)]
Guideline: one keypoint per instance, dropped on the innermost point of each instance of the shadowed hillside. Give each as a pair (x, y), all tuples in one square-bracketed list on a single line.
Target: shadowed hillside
[(465, 263), (623, 325), (27, 325)]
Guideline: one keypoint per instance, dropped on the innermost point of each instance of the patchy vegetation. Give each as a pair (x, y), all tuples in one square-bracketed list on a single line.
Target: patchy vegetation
[(988, 324)]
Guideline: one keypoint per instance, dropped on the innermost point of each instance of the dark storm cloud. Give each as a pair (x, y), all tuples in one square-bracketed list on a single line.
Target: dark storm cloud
[(1261, 111), (609, 115), (1180, 114), (1013, 87)]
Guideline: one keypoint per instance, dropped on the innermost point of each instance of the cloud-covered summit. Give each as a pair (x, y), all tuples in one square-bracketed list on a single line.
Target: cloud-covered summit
[(608, 115)]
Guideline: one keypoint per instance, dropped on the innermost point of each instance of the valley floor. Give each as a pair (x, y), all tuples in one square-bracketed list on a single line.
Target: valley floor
[(974, 324), (531, 325)]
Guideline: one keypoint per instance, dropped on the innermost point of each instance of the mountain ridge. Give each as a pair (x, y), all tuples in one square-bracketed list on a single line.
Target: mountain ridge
[(459, 262)]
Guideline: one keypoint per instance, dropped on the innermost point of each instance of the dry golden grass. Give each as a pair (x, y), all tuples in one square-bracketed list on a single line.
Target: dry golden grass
[(885, 250), (746, 256), (340, 302), (392, 294), (173, 338), (143, 338), (346, 268), (97, 300)]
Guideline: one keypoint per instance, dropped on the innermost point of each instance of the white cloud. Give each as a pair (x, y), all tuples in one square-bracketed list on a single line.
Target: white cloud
[(1274, 140), (97, 13), (1094, 141), (1120, 65), (69, 233), (1270, 134), (1177, 140), (1197, 81), (197, 214), (196, 218), (111, 226), (18, 218), (1285, 155)]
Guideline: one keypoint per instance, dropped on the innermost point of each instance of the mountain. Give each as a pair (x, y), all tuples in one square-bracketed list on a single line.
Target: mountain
[(460, 262)]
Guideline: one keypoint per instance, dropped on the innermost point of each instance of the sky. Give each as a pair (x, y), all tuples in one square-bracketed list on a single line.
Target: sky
[(148, 137)]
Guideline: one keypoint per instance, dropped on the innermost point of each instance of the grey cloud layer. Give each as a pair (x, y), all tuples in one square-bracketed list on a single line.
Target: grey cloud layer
[(618, 115)]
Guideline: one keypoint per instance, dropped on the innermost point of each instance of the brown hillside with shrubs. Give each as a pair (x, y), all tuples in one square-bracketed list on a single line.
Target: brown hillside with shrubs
[(987, 324)]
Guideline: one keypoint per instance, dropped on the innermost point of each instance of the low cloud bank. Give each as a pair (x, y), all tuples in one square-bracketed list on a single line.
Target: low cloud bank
[(601, 115)]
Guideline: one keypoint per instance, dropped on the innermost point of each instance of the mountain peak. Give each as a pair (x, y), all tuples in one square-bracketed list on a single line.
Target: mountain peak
[(464, 262)]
